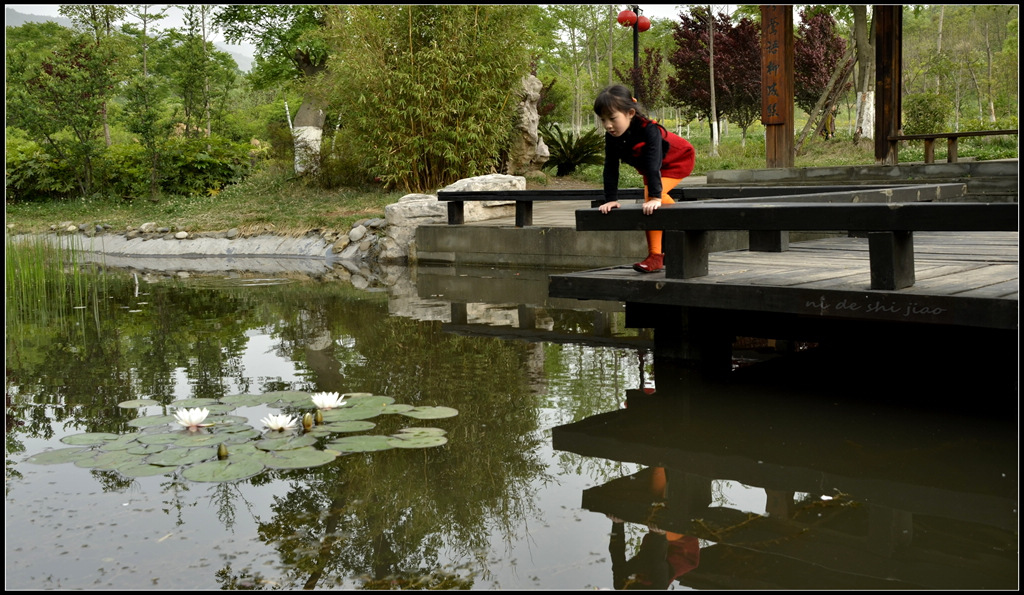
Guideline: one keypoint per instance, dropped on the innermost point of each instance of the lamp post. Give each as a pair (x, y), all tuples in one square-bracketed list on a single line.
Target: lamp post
[(639, 23)]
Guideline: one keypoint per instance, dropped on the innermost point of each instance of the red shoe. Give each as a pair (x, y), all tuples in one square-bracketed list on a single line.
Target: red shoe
[(653, 263)]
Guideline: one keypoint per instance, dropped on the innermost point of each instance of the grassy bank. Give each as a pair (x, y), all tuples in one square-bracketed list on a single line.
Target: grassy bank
[(273, 201)]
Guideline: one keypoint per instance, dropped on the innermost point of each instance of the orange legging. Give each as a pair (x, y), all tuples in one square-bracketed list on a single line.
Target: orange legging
[(654, 235)]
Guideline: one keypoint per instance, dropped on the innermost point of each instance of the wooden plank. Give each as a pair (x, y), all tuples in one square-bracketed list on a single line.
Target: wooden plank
[(1011, 132), (806, 217), (826, 193)]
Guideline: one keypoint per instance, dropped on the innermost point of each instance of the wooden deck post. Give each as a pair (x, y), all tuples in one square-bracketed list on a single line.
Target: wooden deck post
[(892, 259)]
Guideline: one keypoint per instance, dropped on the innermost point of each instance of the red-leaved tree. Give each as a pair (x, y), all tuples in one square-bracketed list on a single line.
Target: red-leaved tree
[(816, 50), (737, 67)]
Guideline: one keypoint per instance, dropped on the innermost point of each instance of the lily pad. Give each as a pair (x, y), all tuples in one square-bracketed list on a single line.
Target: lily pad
[(193, 403), (413, 441), (368, 400), (396, 408), (89, 439), (137, 403), (299, 458), (59, 455), (161, 438), (351, 413), (286, 443), (122, 443), (361, 444), (244, 400), (151, 420), (289, 397), (431, 412), (146, 449), (197, 439), (418, 432), (343, 426), (142, 470), (175, 457), (106, 460), (230, 469)]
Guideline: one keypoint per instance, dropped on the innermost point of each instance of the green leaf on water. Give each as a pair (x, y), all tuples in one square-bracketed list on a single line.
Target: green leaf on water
[(230, 469), (431, 412), (152, 420), (122, 443), (342, 426), (244, 400), (350, 413), (142, 470), (193, 403), (161, 438), (299, 458), (146, 449), (197, 439), (176, 457), (396, 408), (106, 460), (286, 442), (413, 441), (360, 444), (137, 403), (59, 455), (89, 439)]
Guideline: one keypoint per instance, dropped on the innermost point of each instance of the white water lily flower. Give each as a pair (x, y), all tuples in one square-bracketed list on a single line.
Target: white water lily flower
[(192, 418), (280, 422), (327, 400)]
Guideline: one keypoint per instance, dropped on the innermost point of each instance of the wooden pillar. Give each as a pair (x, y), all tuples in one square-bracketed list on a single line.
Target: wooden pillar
[(888, 22), (777, 85)]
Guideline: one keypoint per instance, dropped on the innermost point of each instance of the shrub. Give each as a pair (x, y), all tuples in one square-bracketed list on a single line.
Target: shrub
[(569, 151), (203, 165), (925, 112), (32, 174)]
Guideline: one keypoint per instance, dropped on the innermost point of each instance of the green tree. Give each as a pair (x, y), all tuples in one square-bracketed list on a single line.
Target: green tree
[(61, 101), (289, 51), (428, 93)]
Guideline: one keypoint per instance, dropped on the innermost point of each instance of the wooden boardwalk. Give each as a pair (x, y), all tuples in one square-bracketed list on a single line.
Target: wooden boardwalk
[(965, 280)]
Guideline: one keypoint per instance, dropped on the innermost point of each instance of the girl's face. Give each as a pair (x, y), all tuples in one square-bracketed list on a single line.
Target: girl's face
[(615, 123)]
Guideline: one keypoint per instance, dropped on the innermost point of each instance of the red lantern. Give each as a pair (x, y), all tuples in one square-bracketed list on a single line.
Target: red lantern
[(643, 23), (627, 18)]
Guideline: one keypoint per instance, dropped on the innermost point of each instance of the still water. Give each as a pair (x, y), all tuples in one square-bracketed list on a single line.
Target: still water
[(578, 459)]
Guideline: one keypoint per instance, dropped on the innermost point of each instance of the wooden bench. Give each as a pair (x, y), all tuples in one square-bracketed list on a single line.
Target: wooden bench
[(524, 199), (889, 228), (951, 141)]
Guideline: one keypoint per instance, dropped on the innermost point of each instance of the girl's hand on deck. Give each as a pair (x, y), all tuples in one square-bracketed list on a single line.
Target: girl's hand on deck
[(651, 206), (608, 206)]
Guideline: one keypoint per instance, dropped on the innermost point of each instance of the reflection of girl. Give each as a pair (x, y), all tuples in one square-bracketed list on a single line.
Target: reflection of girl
[(663, 556), (656, 153)]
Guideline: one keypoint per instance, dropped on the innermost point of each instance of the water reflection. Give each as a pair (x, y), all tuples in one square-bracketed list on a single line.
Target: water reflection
[(859, 491), (497, 506)]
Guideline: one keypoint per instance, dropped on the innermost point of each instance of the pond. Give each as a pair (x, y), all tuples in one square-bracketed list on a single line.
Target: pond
[(566, 454)]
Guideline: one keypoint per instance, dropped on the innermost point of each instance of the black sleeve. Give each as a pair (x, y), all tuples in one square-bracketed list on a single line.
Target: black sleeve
[(611, 171), (652, 157)]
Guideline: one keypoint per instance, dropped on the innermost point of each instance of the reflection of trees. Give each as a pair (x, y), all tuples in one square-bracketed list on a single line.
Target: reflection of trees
[(385, 516)]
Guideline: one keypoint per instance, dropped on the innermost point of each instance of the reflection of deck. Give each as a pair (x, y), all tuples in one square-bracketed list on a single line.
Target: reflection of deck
[(920, 500)]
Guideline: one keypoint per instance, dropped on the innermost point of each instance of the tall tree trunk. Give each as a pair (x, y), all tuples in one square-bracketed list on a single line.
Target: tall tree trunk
[(711, 68), (308, 126), (865, 73)]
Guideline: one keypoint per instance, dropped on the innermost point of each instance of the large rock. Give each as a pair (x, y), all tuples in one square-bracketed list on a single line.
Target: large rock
[(528, 152), (413, 210)]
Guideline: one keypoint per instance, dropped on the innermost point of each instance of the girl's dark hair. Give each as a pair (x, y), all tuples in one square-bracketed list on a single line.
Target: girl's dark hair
[(615, 98)]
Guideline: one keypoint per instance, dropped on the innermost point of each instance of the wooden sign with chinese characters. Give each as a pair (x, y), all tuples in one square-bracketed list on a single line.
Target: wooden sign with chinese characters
[(777, 84)]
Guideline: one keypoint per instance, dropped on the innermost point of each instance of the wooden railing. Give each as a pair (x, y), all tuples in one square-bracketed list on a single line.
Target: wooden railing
[(525, 199), (951, 141), (889, 228)]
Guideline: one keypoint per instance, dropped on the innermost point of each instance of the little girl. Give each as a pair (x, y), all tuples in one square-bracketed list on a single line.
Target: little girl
[(662, 158)]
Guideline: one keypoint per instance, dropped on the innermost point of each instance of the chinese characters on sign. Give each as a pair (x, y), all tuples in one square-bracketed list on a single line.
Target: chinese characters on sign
[(772, 62)]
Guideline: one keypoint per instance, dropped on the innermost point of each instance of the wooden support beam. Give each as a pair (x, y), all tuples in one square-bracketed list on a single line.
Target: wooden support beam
[(892, 259), (687, 254)]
